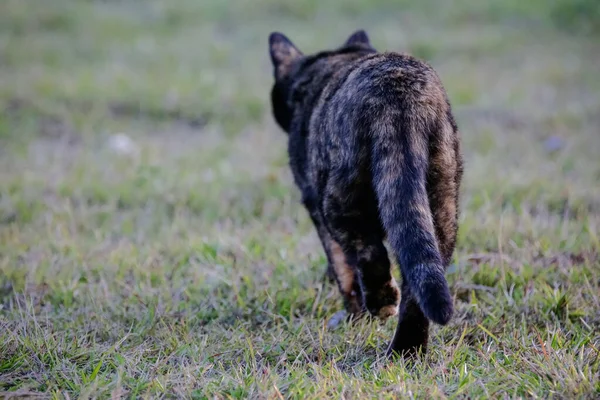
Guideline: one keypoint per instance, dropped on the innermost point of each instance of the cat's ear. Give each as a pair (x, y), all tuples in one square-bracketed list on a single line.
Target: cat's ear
[(283, 52), (358, 37)]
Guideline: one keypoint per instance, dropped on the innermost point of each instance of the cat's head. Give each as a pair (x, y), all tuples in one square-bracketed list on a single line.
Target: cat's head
[(289, 62)]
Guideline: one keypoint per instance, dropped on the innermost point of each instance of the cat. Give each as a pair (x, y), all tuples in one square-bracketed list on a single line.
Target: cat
[(375, 151)]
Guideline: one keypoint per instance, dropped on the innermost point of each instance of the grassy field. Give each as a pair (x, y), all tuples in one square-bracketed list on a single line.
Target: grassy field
[(180, 263)]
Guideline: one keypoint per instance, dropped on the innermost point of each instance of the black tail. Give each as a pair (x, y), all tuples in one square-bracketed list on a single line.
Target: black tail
[(400, 162)]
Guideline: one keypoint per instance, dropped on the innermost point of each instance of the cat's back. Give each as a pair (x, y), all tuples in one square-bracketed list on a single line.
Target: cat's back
[(376, 82)]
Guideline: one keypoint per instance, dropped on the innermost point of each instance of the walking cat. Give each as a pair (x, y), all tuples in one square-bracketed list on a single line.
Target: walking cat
[(375, 151)]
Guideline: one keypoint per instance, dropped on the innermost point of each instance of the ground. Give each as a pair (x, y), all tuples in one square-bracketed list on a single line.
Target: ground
[(152, 243)]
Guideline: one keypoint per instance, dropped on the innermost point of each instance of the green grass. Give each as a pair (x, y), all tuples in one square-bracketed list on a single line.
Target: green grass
[(188, 268)]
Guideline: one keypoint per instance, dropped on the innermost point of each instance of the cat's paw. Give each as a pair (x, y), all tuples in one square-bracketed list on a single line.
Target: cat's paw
[(383, 303)]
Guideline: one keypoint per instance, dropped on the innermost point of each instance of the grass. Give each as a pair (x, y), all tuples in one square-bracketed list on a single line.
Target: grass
[(187, 267)]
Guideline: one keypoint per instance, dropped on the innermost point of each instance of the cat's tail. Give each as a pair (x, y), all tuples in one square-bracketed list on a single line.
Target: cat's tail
[(400, 157)]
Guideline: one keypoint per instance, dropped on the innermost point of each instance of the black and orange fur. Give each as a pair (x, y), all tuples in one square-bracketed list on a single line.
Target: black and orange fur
[(375, 151)]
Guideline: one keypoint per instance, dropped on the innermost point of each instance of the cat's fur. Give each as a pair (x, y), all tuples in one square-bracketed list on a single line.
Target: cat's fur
[(375, 151)]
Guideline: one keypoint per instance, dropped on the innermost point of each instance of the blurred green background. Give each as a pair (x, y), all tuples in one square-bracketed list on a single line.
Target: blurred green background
[(152, 242)]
